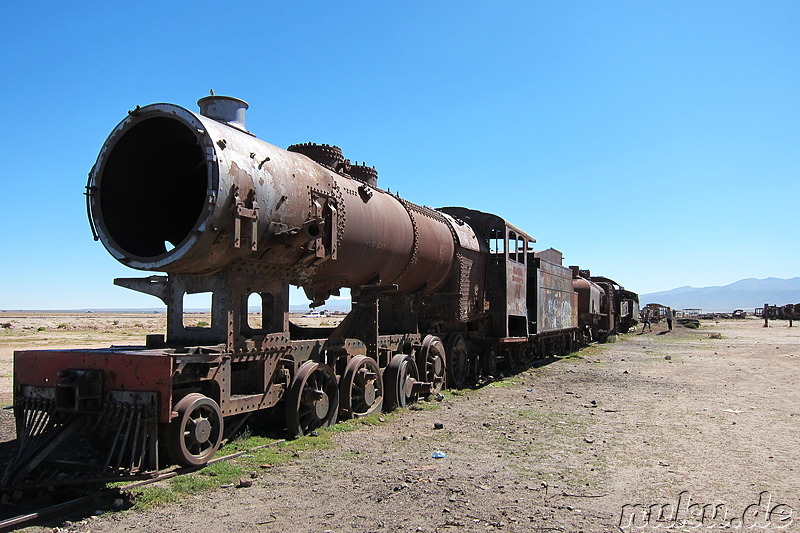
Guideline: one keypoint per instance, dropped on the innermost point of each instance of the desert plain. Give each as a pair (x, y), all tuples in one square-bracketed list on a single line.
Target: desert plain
[(694, 429)]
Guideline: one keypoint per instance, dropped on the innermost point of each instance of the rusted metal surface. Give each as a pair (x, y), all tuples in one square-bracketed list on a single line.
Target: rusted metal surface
[(179, 192), (790, 312), (655, 311), (63, 398), (507, 266), (608, 312), (589, 295), (556, 301), (605, 307), (625, 305), (589, 299), (450, 294), (115, 369)]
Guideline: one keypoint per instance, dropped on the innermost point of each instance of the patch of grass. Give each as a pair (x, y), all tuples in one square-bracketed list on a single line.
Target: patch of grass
[(202, 324), (429, 405), (268, 456), (243, 443), (511, 381), (376, 419), (271, 455), (308, 443), (62, 326), (212, 476), (152, 496), (40, 328), (191, 484), (223, 471), (353, 424), (447, 394), (715, 335)]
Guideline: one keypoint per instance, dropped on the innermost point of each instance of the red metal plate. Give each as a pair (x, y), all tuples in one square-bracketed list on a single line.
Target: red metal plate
[(123, 370)]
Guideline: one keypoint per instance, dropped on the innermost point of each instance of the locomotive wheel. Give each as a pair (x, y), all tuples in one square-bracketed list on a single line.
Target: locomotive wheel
[(517, 358), (475, 368), (313, 399), (431, 362), (361, 388), (399, 378), (490, 363), (458, 369), (196, 434), (530, 354)]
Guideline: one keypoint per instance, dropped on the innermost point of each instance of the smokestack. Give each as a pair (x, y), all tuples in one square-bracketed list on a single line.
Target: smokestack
[(225, 109)]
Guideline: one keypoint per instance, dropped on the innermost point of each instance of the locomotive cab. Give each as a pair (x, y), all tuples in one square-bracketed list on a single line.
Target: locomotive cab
[(509, 253)]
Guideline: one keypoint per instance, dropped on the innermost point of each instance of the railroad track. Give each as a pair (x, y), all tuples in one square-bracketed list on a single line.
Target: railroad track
[(75, 504)]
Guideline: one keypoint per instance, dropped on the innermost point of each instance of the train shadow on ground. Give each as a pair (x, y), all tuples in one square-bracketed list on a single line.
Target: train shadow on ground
[(546, 361), (97, 499)]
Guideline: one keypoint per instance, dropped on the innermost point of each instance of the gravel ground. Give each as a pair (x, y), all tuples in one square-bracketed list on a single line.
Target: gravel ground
[(682, 421)]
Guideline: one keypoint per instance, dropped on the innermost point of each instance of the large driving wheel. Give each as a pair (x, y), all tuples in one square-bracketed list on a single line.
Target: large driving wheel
[(400, 377), (431, 363), (361, 388), (458, 356), (313, 399), (490, 362), (196, 434)]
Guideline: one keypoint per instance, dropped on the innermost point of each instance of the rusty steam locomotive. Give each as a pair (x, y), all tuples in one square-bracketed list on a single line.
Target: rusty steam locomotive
[(440, 297)]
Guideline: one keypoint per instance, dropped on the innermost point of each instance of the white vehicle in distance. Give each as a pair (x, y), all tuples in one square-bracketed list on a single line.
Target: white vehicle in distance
[(316, 314)]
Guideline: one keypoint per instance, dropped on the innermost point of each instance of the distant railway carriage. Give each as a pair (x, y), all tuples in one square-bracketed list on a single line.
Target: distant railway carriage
[(605, 307)]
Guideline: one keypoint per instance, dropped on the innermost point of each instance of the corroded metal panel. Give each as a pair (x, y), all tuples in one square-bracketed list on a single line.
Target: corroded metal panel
[(179, 192), (472, 273), (589, 296), (516, 288), (556, 307), (131, 371), (464, 233)]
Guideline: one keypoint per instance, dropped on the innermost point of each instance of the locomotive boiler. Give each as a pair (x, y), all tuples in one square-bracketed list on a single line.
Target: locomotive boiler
[(439, 296)]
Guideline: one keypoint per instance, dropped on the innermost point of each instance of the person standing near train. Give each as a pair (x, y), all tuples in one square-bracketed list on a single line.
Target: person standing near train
[(646, 320), (669, 318)]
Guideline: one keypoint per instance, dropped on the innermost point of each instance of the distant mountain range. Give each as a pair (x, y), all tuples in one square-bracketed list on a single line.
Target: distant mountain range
[(745, 294)]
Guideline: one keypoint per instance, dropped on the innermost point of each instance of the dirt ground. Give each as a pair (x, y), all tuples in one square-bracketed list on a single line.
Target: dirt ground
[(677, 424), (43, 330)]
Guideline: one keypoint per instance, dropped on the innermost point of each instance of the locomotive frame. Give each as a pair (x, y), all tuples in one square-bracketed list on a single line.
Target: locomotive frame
[(439, 297)]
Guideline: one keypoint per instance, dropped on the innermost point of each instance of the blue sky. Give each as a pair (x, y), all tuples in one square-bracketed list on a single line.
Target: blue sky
[(652, 142)]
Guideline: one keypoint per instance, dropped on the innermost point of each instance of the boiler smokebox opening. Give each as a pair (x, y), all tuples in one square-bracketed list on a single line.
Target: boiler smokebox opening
[(153, 187)]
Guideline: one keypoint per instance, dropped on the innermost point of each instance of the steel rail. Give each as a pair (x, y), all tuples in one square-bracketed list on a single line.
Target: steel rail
[(10, 524)]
